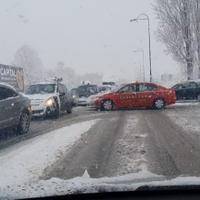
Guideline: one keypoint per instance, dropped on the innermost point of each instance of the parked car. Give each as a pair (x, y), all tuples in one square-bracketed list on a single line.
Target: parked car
[(187, 90), (139, 94), (15, 109), (104, 88), (49, 99)]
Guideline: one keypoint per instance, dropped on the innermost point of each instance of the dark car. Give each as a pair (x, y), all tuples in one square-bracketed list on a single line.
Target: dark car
[(87, 90), (187, 90), (15, 109)]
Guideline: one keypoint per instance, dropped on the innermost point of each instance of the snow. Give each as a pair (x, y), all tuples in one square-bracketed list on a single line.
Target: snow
[(55, 186), (24, 164), (130, 148), (187, 103), (84, 184), (186, 115), (22, 167)]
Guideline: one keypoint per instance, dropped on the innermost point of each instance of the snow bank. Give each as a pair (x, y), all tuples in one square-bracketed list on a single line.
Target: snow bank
[(84, 184), (186, 115), (187, 103), (25, 163), (131, 182)]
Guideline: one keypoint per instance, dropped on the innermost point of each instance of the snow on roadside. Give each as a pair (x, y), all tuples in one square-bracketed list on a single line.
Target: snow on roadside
[(194, 103), (186, 115), (25, 163), (81, 185), (129, 149), (56, 186)]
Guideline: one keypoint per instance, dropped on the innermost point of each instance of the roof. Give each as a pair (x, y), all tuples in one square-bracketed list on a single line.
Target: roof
[(196, 80), (7, 86), (44, 83)]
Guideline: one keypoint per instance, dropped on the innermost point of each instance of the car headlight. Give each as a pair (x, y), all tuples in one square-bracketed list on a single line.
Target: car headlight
[(49, 102)]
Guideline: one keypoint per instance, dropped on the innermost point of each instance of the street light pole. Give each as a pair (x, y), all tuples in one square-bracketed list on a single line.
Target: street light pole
[(149, 38)]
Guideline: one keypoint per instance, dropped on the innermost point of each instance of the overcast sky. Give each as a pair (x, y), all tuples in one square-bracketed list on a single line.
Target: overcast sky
[(87, 35)]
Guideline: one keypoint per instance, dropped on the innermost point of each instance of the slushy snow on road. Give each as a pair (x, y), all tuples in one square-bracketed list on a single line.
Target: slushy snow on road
[(24, 163)]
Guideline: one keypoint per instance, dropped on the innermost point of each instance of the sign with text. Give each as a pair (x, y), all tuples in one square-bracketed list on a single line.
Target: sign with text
[(13, 76)]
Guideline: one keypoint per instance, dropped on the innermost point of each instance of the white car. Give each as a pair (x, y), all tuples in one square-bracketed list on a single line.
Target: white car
[(47, 99), (91, 99)]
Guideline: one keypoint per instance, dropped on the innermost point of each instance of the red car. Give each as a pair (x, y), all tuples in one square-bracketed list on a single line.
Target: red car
[(138, 94)]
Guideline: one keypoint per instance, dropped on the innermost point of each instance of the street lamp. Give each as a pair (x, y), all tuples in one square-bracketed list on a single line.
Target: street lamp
[(142, 68), (140, 18)]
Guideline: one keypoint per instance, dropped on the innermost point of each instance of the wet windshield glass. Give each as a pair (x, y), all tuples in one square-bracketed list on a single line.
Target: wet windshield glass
[(98, 96), (87, 90), (41, 89)]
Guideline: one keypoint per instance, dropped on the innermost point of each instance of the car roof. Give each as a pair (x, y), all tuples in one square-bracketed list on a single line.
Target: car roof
[(43, 83), (88, 85), (140, 82), (143, 82), (189, 81), (6, 85)]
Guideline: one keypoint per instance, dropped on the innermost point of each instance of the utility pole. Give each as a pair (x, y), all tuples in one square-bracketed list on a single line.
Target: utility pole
[(146, 17)]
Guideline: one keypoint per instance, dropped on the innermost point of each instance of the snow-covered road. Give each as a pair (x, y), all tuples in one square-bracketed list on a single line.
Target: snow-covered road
[(137, 144)]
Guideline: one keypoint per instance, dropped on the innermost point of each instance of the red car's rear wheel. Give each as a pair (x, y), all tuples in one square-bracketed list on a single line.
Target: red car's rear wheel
[(159, 104)]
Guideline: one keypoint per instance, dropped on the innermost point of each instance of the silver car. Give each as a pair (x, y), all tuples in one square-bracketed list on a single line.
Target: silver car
[(15, 109)]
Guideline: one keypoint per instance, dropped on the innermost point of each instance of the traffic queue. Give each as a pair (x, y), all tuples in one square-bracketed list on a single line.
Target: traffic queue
[(51, 98)]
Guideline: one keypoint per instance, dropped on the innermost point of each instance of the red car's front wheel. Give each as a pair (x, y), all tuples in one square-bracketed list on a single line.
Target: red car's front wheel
[(107, 105)]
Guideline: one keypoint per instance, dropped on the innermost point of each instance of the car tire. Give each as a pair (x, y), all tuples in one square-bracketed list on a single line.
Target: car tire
[(107, 105), (159, 104), (57, 112), (24, 123), (44, 116), (69, 108)]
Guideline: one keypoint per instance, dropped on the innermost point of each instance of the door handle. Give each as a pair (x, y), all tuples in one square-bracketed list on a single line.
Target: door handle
[(12, 104)]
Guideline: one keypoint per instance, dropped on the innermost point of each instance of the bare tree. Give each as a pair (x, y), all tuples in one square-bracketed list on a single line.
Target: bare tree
[(66, 73), (70, 78), (175, 30), (93, 78), (28, 58)]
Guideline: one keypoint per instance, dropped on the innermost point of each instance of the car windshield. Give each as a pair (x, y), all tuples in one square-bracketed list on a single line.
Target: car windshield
[(98, 96), (74, 91), (104, 88), (117, 88), (87, 90), (41, 89)]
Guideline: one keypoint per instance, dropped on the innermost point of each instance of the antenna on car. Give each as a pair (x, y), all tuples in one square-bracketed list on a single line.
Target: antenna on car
[(56, 79)]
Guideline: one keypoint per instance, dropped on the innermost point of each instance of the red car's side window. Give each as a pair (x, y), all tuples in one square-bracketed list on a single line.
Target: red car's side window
[(128, 88), (143, 87)]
